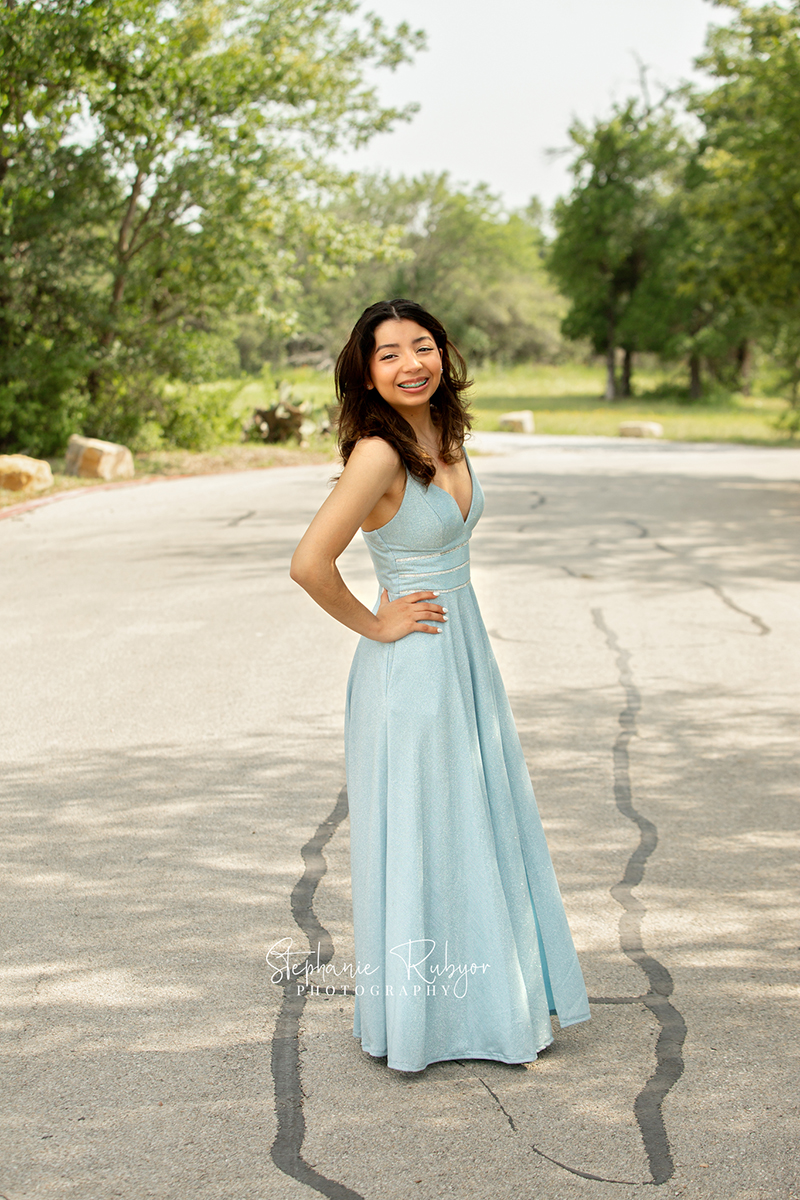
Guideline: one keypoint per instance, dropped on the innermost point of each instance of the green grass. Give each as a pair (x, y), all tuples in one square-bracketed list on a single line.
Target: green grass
[(315, 387), (566, 400)]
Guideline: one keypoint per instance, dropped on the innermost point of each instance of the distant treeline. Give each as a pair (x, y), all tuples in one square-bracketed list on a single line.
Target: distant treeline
[(681, 235), (168, 212)]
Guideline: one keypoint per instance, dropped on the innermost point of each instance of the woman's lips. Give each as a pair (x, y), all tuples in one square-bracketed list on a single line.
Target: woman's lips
[(413, 385)]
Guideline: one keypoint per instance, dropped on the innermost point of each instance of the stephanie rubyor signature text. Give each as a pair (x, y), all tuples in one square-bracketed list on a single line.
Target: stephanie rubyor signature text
[(422, 972)]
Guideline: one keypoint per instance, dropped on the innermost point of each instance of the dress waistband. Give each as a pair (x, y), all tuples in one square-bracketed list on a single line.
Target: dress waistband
[(440, 571)]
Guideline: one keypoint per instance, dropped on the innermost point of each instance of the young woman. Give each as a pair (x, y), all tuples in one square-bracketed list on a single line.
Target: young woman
[(462, 945)]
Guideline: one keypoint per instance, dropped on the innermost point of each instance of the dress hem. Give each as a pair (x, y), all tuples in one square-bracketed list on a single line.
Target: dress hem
[(574, 1021), (473, 1054)]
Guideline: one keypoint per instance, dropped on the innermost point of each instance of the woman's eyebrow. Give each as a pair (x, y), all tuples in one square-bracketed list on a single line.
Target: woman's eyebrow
[(396, 345)]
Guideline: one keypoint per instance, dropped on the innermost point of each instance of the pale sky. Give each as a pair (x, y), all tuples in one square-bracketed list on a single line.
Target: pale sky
[(501, 81)]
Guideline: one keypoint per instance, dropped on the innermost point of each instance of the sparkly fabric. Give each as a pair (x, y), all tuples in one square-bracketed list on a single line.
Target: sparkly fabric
[(462, 944)]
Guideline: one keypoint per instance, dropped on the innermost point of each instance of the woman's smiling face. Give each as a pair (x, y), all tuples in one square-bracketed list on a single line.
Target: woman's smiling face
[(406, 364)]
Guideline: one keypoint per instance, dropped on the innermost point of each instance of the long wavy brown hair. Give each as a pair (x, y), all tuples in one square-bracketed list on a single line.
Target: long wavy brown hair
[(364, 413)]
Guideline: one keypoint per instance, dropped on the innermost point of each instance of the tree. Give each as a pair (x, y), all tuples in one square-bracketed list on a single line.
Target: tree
[(459, 253), (687, 305), (610, 229), (749, 155), (48, 223), (157, 176)]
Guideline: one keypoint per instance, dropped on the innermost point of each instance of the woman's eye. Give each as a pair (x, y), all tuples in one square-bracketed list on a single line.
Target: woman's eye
[(421, 350)]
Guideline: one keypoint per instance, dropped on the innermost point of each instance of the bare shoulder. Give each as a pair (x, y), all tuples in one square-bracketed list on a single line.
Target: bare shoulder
[(376, 453), (374, 461)]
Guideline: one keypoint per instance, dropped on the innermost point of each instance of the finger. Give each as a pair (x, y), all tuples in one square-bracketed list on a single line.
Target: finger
[(416, 596), (428, 629)]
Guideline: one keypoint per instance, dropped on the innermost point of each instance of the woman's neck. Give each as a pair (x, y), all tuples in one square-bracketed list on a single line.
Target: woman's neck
[(426, 432)]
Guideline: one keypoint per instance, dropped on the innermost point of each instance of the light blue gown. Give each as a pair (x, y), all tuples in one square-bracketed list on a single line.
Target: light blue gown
[(461, 941)]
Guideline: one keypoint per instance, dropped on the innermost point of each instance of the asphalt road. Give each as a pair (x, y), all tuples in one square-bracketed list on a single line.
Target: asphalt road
[(172, 795)]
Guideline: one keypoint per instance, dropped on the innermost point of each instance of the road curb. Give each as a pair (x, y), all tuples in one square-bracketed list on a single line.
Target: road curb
[(74, 493)]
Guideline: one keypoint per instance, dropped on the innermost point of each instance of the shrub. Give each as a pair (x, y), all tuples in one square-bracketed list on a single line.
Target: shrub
[(200, 417)]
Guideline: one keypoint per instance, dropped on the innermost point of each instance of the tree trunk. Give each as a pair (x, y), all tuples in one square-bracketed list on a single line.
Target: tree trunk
[(627, 372), (123, 255), (695, 381), (793, 396), (611, 372), (744, 359)]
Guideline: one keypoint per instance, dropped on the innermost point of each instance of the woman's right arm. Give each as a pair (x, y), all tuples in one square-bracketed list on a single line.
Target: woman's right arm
[(371, 468)]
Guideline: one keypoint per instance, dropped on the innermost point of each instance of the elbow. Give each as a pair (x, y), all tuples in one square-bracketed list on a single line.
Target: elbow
[(314, 572), (297, 571), (302, 571)]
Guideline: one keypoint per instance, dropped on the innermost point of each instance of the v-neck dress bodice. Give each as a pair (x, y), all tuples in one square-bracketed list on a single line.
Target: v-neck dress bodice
[(425, 546), (462, 945)]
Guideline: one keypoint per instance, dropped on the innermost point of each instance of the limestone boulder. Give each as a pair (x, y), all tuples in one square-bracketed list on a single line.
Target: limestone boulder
[(518, 422), (18, 472), (641, 429), (92, 458)]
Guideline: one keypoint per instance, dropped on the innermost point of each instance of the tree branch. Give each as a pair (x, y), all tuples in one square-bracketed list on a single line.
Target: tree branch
[(123, 243)]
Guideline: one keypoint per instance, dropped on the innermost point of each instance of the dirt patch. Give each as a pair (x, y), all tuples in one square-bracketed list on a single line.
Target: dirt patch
[(248, 457)]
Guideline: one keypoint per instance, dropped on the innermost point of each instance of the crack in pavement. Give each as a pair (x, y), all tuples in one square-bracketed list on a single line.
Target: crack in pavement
[(587, 1175), (672, 1033), (643, 532), (538, 502), (286, 1074), (244, 517), (760, 625), (498, 1102)]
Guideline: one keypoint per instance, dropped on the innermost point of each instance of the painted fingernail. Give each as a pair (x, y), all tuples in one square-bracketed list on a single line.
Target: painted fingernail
[(445, 617), (445, 609), (435, 593)]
